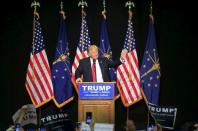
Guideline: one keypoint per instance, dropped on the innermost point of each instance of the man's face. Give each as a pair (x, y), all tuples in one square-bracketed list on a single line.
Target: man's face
[(93, 53)]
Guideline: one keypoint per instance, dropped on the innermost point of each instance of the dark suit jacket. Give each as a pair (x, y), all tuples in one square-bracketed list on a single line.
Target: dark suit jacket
[(84, 69)]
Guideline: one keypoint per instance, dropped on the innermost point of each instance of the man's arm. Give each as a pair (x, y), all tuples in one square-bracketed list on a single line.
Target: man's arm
[(112, 63), (118, 62), (78, 73)]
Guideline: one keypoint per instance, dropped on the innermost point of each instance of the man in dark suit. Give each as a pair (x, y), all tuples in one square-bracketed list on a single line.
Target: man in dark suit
[(95, 69)]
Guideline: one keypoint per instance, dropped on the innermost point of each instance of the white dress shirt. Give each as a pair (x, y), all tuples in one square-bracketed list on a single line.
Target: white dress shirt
[(99, 77)]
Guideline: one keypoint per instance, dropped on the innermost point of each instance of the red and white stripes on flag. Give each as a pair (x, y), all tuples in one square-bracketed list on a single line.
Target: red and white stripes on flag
[(79, 55), (38, 77), (81, 51), (128, 75), (128, 79)]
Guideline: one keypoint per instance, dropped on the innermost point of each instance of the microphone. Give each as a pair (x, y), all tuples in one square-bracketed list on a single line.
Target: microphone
[(94, 61)]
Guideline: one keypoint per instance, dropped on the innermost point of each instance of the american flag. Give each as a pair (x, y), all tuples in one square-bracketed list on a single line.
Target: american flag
[(38, 77), (128, 76), (81, 51)]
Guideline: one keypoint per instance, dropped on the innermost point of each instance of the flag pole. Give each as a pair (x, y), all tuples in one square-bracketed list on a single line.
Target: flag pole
[(34, 5), (63, 14), (104, 16), (151, 12), (61, 5), (82, 4), (142, 92), (146, 101), (62, 10), (127, 118), (151, 8), (148, 112), (104, 9), (127, 113), (129, 4)]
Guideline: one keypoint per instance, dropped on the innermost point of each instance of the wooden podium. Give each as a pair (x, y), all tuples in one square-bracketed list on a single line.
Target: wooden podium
[(96, 99)]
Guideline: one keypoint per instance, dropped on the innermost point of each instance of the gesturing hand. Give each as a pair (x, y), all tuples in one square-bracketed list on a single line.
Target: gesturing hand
[(123, 55), (78, 80)]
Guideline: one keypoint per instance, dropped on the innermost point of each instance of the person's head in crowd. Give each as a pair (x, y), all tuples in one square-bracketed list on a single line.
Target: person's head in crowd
[(158, 127), (196, 127), (130, 126)]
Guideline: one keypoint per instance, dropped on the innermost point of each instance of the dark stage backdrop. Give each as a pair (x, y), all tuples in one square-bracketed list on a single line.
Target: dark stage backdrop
[(176, 35)]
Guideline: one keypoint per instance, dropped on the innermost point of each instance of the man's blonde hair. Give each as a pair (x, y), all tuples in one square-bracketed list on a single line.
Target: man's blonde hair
[(91, 47)]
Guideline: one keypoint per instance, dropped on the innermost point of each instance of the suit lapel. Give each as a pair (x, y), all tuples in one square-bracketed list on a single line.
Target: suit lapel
[(89, 71), (101, 67)]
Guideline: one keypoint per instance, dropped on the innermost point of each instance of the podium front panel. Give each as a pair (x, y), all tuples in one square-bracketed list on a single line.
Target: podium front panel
[(102, 110)]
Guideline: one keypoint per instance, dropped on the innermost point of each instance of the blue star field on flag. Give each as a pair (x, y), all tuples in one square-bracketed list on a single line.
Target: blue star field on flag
[(61, 69), (150, 68), (105, 50)]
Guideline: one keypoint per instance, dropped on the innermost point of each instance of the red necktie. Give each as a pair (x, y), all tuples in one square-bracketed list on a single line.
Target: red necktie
[(93, 72)]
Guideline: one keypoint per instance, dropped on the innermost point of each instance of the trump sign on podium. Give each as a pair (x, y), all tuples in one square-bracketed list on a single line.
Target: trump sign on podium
[(96, 91), (96, 100)]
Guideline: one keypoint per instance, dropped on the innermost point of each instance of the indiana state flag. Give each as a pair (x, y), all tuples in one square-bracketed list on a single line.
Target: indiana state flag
[(150, 68), (61, 68), (105, 49)]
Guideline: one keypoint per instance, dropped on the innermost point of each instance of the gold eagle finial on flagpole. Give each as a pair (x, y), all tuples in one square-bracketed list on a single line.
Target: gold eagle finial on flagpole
[(151, 12), (151, 8), (82, 4), (130, 4), (104, 9), (62, 11), (35, 5)]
